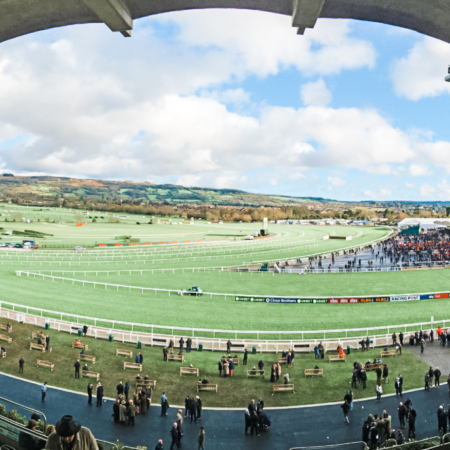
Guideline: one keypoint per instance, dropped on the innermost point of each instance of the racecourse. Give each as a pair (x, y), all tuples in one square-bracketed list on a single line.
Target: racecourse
[(206, 263)]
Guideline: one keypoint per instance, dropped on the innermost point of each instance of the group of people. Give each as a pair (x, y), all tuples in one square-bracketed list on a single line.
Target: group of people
[(255, 418), (377, 430), (226, 366)]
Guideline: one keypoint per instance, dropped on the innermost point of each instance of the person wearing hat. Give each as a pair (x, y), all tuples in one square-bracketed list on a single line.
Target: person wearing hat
[(70, 435)]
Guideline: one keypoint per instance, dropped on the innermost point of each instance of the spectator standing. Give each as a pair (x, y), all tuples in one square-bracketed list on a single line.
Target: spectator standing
[(21, 364), (47, 342), (174, 436), (77, 366), (164, 404), (228, 347), (89, 391), (286, 378), (245, 357), (231, 366), (181, 342), (220, 368), (44, 391), (378, 371), (422, 345), (400, 337), (85, 330), (412, 424), (99, 394), (123, 410), (201, 439), (437, 376), (448, 383), (119, 389), (68, 431), (131, 413), (165, 353), (187, 405), (159, 445), (401, 414), (116, 411), (127, 390), (394, 339), (427, 381), (193, 413), (247, 420), (385, 373), (199, 407), (254, 423), (188, 345), (379, 391)]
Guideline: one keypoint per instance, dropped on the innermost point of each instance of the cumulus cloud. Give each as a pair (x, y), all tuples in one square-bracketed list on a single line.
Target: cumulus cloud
[(426, 190), (421, 73), (336, 181), (316, 93)]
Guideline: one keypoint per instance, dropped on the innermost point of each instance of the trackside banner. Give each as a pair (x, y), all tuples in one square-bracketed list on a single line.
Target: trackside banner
[(397, 298)]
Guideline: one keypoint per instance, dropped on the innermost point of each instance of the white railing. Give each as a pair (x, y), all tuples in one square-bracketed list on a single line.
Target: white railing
[(38, 315)]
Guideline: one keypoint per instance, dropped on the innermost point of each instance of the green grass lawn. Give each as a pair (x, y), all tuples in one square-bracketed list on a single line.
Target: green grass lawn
[(232, 392)]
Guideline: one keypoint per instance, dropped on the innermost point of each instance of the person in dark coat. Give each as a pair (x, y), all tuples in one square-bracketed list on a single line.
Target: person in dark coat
[(220, 368), (193, 410), (159, 445), (77, 366), (378, 372), (127, 390), (229, 346), (21, 364), (47, 342), (363, 378), (199, 407), (385, 373), (412, 424), (401, 414), (245, 357), (187, 406), (99, 394), (119, 388), (116, 411), (254, 424), (188, 345), (437, 376), (251, 407), (90, 387), (174, 436), (28, 442), (181, 342), (400, 337), (165, 353), (345, 409), (85, 330), (261, 365), (247, 421)]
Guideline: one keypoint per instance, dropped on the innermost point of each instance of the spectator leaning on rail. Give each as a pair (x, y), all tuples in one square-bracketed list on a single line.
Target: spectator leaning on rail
[(71, 435)]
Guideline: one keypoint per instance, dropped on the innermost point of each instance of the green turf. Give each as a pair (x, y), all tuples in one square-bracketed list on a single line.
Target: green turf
[(232, 392)]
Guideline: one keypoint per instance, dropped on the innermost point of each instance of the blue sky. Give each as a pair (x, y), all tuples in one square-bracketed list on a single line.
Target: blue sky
[(351, 110)]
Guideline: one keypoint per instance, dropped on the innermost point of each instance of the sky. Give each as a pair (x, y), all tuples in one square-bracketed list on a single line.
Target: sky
[(232, 99)]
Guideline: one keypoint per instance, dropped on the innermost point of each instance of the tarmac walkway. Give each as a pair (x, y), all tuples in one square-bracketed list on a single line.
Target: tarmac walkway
[(291, 427)]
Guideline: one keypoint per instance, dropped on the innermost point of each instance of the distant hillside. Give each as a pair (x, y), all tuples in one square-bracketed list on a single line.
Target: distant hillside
[(49, 189)]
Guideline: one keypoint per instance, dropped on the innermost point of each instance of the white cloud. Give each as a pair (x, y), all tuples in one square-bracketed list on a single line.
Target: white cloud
[(421, 73), (336, 181), (316, 93), (381, 194), (426, 190), (410, 185), (273, 181), (419, 170), (444, 190)]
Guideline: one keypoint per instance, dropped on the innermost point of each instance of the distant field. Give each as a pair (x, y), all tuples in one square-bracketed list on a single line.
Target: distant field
[(180, 263)]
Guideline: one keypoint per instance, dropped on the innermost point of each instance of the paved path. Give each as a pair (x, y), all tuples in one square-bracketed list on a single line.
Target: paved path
[(303, 426), (436, 356)]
